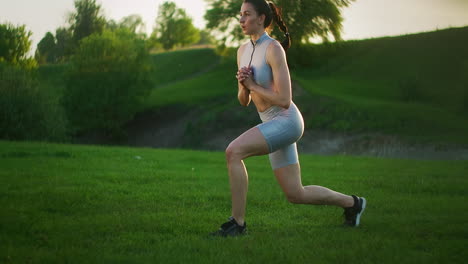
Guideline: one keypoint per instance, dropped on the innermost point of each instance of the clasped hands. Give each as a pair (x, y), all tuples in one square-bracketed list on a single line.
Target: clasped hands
[(245, 76)]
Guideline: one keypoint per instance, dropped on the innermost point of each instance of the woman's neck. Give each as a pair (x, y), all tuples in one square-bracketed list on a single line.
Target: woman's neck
[(254, 37)]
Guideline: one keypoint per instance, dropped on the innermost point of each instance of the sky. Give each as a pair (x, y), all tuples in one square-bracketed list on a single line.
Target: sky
[(363, 19)]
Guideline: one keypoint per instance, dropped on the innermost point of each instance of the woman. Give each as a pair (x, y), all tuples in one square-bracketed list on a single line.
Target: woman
[(263, 77)]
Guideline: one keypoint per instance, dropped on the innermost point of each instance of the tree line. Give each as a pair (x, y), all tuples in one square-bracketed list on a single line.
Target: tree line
[(174, 28)]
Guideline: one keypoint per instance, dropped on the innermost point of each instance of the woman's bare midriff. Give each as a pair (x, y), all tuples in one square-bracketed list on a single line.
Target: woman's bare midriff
[(261, 104)]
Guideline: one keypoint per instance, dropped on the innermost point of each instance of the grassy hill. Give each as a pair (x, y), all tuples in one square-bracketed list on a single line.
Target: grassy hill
[(414, 87), (89, 204), (428, 67)]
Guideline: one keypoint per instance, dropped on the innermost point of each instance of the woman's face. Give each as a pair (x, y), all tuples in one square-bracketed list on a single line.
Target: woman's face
[(250, 21)]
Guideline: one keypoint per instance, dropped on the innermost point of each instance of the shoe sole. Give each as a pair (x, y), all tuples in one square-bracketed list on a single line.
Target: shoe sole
[(363, 207)]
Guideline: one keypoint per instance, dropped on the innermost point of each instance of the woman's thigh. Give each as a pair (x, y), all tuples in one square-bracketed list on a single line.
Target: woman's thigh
[(250, 143)]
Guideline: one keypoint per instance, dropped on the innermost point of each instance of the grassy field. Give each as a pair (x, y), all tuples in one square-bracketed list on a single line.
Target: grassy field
[(90, 204)]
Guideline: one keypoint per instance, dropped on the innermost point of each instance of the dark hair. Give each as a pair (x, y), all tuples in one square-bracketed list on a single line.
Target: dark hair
[(272, 12)]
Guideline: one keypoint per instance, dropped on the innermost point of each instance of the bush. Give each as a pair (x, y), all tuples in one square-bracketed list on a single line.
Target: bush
[(108, 78), (26, 112)]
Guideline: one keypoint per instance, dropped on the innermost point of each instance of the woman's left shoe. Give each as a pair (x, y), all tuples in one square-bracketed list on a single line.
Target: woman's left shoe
[(231, 228)]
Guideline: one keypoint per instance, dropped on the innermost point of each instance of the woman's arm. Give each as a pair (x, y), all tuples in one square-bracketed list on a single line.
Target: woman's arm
[(281, 93), (243, 93)]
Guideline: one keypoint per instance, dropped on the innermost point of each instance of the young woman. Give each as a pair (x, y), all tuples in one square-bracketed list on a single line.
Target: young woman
[(263, 78)]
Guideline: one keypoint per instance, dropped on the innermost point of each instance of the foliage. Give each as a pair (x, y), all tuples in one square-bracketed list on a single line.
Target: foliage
[(174, 27), (45, 52), (64, 44), (206, 38), (132, 23), (15, 44), (109, 77), (54, 49), (305, 19), (26, 112), (86, 20)]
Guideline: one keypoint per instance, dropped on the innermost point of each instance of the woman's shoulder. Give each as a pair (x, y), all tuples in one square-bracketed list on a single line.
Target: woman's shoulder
[(275, 48), (275, 52), (274, 45)]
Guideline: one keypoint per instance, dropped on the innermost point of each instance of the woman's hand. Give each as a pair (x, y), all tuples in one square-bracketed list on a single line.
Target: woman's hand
[(242, 74), (245, 77), (244, 93)]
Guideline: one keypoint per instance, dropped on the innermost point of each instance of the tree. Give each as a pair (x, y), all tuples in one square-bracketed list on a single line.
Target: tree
[(86, 20), (132, 23), (305, 19), (28, 112), (54, 49), (174, 27), (206, 38), (64, 44), (45, 52), (15, 44), (108, 79)]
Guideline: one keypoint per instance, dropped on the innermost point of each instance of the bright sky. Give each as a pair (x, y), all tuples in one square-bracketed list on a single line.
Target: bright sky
[(363, 19)]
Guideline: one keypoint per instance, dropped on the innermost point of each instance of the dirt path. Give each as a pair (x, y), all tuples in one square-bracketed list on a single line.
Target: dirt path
[(152, 130)]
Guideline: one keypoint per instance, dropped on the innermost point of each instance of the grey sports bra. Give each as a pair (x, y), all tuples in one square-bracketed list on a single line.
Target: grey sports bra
[(255, 56)]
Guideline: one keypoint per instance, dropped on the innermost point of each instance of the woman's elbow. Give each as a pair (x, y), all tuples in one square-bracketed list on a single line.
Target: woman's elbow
[(244, 101)]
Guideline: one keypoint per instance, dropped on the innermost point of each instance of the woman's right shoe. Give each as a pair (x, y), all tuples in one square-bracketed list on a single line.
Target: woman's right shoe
[(353, 214), (231, 228)]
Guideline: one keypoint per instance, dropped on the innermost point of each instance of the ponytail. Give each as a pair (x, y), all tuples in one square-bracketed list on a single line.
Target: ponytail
[(276, 12)]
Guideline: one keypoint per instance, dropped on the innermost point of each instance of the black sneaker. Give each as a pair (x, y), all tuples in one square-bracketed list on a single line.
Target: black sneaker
[(231, 228), (353, 214)]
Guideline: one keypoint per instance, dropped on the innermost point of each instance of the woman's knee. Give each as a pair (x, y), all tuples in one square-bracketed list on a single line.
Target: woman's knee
[(233, 153), (295, 197)]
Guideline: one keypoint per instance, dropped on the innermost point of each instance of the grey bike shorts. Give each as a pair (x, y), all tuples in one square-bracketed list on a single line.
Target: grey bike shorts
[(282, 128)]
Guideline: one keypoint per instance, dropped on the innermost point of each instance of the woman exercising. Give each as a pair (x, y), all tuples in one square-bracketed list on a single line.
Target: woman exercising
[(263, 77)]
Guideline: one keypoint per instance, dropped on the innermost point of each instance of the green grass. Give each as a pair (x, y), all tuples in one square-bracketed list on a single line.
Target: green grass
[(435, 63), (348, 109), (215, 84), (90, 204), (174, 65)]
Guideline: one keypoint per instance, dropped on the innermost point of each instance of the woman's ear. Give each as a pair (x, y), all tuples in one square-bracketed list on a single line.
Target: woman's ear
[(261, 19)]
